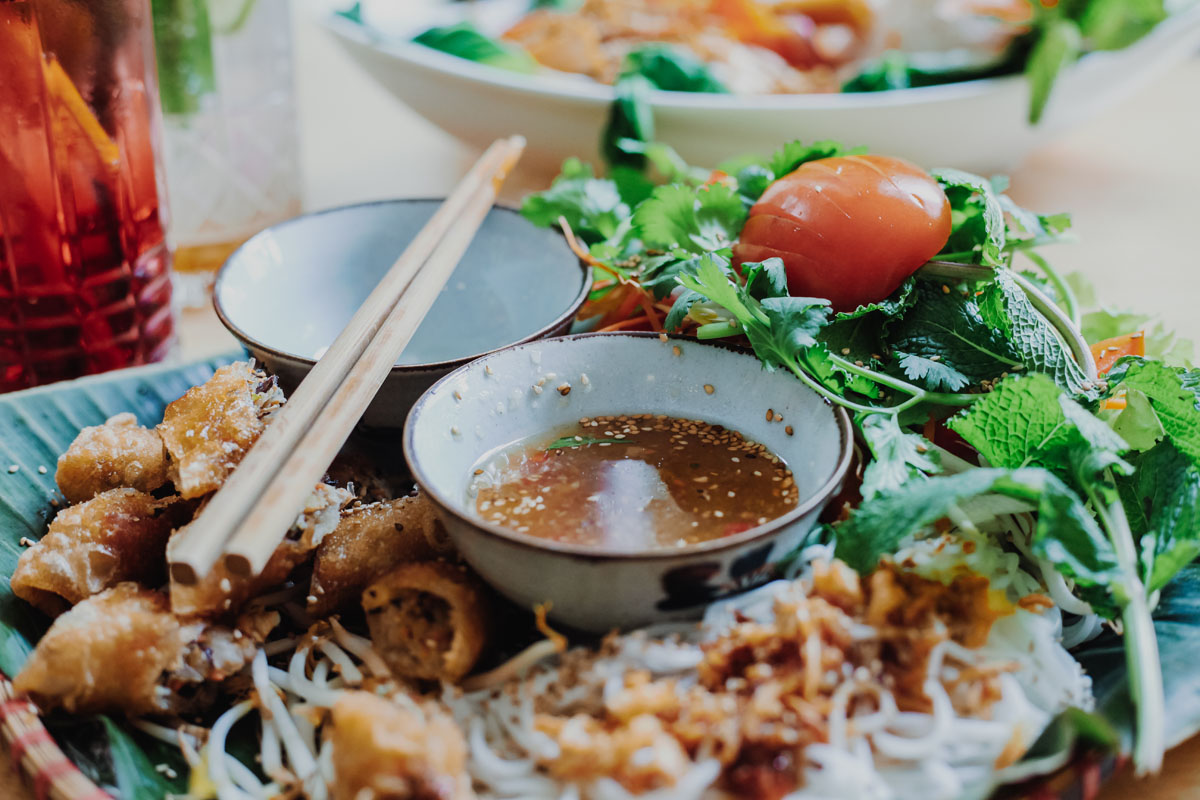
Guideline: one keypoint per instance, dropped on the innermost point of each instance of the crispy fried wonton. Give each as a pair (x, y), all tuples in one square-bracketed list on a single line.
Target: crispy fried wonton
[(118, 535), (385, 750), (369, 541), (209, 429), (427, 620), (119, 453), (123, 651), (220, 592)]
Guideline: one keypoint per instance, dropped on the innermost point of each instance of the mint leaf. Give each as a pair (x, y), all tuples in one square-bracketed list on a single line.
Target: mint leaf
[(1174, 395), (944, 326), (592, 206), (1029, 421), (1005, 307), (977, 219), (897, 456)]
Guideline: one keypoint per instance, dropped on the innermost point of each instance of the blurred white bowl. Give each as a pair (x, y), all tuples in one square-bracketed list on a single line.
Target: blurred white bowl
[(977, 125)]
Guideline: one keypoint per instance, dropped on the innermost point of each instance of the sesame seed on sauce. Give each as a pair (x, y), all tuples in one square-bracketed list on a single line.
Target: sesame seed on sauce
[(633, 481)]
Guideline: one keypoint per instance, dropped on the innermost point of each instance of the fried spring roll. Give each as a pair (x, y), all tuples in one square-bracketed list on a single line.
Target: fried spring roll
[(220, 592), (123, 651), (119, 453), (209, 429), (118, 535), (370, 541), (384, 750), (427, 620)]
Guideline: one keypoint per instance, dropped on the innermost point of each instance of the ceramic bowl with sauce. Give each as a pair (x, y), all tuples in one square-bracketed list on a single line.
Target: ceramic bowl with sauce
[(522, 399), (289, 290)]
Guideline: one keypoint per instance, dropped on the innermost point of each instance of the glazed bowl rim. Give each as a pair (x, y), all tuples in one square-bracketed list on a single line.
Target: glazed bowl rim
[(252, 342), (765, 531)]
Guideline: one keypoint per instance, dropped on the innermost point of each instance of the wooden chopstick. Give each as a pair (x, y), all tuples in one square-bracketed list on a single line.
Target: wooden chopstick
[(264, 495)]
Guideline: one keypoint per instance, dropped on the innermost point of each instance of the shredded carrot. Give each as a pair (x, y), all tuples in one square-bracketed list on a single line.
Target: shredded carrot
[(557, 639), (648, 307), (624, 324)]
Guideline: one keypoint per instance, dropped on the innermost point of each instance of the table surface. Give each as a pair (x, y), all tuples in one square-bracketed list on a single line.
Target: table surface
[(1129, 178)]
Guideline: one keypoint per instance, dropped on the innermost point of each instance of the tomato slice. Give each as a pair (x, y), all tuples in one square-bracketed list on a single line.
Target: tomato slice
[(1109, 351)]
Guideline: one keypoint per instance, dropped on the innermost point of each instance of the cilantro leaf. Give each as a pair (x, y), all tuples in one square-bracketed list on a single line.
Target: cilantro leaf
[(1174, 395), (977, 217), (1004, 306), (897, 456), (697, 220), (592, 206), (679, 309), (942, 341), (795, 153), (932, 373)]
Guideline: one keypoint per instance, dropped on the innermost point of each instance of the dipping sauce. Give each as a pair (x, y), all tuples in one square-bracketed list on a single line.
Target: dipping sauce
[(633, 482)]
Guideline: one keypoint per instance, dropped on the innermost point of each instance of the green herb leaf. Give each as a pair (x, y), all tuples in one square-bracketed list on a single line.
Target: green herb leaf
[(592, 206), (1174, 395), (789, 157), (465, 41), (699, 220), (897, 456), (1066, 534), (944, 343), (582, 441), (1005, 306), (1137, 423), (932, 374), (1177, 631), (977, 217), (1116, 24), (630, 117), (672, 69), (892, 306), (679, 309), (1058, 45), (1162, 501)]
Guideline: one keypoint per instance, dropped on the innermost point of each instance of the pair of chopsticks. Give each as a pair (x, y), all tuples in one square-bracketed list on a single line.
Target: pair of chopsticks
[(247, 518)]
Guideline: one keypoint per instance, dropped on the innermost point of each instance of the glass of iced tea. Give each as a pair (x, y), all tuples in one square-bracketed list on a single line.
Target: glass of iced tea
[(84, 284)]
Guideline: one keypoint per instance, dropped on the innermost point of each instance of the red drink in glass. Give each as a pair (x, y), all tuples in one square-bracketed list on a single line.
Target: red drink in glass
[(84, 284)]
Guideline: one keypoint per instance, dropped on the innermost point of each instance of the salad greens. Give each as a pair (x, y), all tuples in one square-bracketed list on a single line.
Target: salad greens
[(466, 41), (968, 356)]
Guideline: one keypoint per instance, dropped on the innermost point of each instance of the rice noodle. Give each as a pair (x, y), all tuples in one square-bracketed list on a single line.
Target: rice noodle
[(874, 750)]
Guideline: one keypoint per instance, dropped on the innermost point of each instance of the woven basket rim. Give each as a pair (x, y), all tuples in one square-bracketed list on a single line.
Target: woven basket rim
[(46, 768)]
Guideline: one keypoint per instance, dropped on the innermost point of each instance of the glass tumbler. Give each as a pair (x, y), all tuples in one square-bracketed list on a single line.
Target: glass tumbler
[(232, 152), (84, 283)]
